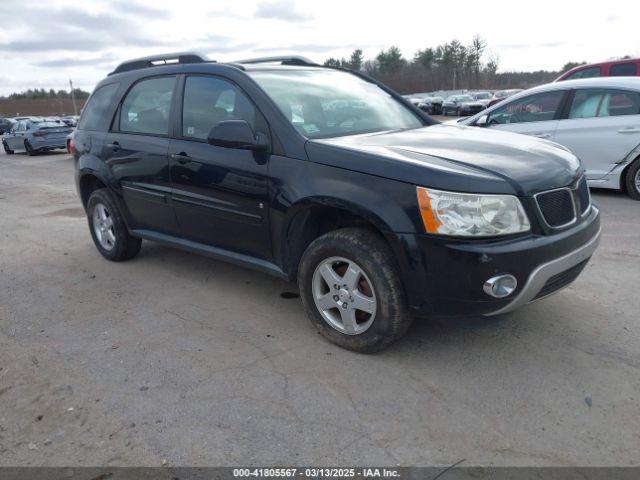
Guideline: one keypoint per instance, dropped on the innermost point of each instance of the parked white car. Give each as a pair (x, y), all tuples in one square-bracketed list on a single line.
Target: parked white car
[(598, 119)]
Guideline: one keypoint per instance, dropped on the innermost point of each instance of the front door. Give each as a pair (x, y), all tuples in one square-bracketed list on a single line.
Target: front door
[(136, 151), (220, 195), (534, 115)]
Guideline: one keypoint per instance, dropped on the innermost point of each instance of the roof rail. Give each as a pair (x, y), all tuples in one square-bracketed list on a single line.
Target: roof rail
[(156, 60), (283, 60)]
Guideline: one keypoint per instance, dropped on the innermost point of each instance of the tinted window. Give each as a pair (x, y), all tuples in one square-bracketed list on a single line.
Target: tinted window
[(604, 103), (624, 70), (534, 108), (209, 100), (146, 107), (585, 73), (97, 107)]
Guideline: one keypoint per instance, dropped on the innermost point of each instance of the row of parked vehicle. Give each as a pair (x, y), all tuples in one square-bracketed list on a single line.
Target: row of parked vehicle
[(36, 134), (460, 105)]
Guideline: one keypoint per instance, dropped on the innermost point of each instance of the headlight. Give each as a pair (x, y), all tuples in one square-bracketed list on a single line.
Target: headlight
[(471, 215)]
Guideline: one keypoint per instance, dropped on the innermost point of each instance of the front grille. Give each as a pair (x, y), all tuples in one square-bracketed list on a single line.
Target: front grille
[(584, 197), (561, 280), (557, 207)]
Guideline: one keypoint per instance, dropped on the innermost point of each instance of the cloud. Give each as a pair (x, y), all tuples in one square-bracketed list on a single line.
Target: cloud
[(280, 10), (74, 29), (76, 62), (130, 7)]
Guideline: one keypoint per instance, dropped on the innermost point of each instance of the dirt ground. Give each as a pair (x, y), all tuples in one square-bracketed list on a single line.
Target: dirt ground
[(176, 358)]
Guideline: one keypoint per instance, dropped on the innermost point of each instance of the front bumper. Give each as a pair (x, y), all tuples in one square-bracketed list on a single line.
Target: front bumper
[(445, 277)]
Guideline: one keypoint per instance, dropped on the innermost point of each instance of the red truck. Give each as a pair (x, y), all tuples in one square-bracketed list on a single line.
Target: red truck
[(628, 67)]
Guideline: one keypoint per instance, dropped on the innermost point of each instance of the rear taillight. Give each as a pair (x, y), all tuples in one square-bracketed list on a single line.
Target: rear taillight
[(72, 147)]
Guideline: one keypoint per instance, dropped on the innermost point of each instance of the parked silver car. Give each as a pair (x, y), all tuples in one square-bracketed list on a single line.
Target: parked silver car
[(598, 119), (33, 135)]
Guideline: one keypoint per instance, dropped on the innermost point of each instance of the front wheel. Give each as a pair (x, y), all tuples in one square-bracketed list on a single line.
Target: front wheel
[(351, 290), (107, 227), (7, 150), (632, 180)]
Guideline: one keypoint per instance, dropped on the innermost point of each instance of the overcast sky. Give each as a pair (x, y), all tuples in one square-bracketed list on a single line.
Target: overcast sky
[(44, 43)]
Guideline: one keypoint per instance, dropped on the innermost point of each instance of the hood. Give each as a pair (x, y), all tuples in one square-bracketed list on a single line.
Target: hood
[(453, 157)]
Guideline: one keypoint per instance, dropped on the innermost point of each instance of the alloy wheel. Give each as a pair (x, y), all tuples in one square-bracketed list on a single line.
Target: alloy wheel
[(344, 295), (103, 227)]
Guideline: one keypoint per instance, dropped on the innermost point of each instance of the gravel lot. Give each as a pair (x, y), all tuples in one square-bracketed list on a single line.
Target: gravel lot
[(178, 358)]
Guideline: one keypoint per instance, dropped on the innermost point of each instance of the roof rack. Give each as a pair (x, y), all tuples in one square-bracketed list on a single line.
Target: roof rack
[(156, 60), (283, 60)]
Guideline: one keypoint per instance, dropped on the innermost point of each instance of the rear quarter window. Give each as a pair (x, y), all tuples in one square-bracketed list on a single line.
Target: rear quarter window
[(624, 70), (585, 73), (97, 107)]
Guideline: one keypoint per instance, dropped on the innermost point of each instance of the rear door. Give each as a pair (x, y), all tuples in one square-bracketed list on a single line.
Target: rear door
[(601, 128), (219, 194), (536, 115), (15, 140), (136, 152)]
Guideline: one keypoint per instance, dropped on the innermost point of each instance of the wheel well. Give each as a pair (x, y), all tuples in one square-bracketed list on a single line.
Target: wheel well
[(313, 222), (88, 184), (623, 174)]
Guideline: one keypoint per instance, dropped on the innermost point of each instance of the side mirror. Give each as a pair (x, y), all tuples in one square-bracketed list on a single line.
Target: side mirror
[(482, 121), (236, 134)]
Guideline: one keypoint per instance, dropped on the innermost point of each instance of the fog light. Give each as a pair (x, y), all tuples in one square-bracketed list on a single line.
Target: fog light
[(500, 286)]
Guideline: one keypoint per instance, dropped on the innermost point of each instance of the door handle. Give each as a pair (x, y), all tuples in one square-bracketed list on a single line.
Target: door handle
[(541, 135), (115, 146), (181, 157), (629, 130)]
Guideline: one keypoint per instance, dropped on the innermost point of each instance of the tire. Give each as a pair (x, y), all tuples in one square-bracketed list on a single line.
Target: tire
[(444, 112), (632, 180), (7, 150), (29, 149), (384, 316), (458, 113), (109, 232)]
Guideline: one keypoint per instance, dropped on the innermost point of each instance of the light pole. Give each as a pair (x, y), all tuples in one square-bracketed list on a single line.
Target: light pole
[(73, 98)]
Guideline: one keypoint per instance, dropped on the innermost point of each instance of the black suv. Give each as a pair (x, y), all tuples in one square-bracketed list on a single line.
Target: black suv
[(327, 176)]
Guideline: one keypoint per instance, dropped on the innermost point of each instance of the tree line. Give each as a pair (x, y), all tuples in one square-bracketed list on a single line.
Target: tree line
[(449, 66), (41, 93)]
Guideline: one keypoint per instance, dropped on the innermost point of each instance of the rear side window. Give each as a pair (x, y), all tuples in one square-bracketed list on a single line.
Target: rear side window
[(147, 106), (585, 73), (209, 100), (97, 106), (624, 70), (604, 103)]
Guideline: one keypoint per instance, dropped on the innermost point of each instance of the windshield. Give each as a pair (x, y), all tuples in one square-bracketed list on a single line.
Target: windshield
[(462, 98), (48, 124), (482, 96), (328, 103)]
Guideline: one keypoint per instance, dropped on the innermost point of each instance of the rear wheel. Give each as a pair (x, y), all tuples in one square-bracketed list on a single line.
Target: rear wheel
[(351, 290), (7, 150), (632, 180), (28, 148), (108, 230)]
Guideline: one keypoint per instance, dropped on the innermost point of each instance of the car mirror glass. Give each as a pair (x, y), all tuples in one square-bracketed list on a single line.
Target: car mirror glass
[(236, 134)]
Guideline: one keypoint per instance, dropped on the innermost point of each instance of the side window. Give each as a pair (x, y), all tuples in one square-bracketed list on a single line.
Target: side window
[(97, 106), (147, 106), (604, 103), (585, 73), (624, 70), (535, 108), (22, 126), (209, 100)]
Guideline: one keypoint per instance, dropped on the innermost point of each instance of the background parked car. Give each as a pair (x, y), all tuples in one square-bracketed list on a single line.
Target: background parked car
[(431, 105), (598, 119), (70, 120), (629, 67), (482, 98), (500, 95), (5, 125), (461, 105), (34, 135)]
